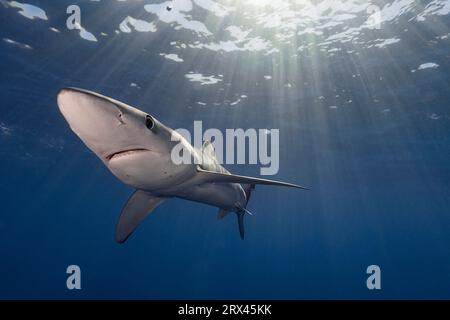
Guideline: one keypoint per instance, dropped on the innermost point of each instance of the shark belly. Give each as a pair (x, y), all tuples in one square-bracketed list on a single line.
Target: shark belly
[(150, 171), (226, 196)]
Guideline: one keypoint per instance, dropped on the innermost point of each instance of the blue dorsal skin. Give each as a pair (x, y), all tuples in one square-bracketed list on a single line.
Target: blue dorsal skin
[(136, 148)]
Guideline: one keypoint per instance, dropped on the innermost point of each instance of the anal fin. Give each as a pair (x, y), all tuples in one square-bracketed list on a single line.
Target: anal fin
[(222, 214)]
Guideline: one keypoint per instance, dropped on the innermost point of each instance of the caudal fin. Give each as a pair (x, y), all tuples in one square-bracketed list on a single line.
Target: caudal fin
[(218, 177), (240, 217)]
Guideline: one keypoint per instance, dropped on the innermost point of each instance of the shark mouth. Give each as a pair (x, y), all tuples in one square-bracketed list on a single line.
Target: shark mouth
[(124, 153)]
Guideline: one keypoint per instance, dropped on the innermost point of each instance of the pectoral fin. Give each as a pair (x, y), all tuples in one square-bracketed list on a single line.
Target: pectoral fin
[(218, 177), (138, 207)]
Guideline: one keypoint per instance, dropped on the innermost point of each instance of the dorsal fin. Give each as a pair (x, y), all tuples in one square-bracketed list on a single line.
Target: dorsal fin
[(208, 148)]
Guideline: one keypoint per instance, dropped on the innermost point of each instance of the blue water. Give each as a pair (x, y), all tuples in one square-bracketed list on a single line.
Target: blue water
[(364, 121)]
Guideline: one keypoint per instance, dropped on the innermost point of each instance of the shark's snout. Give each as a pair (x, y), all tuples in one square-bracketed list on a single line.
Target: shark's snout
[(88, 115), (105, 125)]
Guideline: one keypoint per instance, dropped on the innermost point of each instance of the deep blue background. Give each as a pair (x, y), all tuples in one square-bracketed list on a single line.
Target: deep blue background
[(380, 179)]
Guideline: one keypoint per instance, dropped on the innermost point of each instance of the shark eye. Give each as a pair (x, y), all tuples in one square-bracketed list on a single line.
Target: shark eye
[(149, 123)]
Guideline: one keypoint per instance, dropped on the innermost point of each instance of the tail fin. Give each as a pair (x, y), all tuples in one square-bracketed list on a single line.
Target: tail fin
[(240, 217), (219, 177), (243, 211)]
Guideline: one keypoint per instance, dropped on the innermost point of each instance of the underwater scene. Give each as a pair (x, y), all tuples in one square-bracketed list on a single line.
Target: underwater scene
[(348, 99)]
